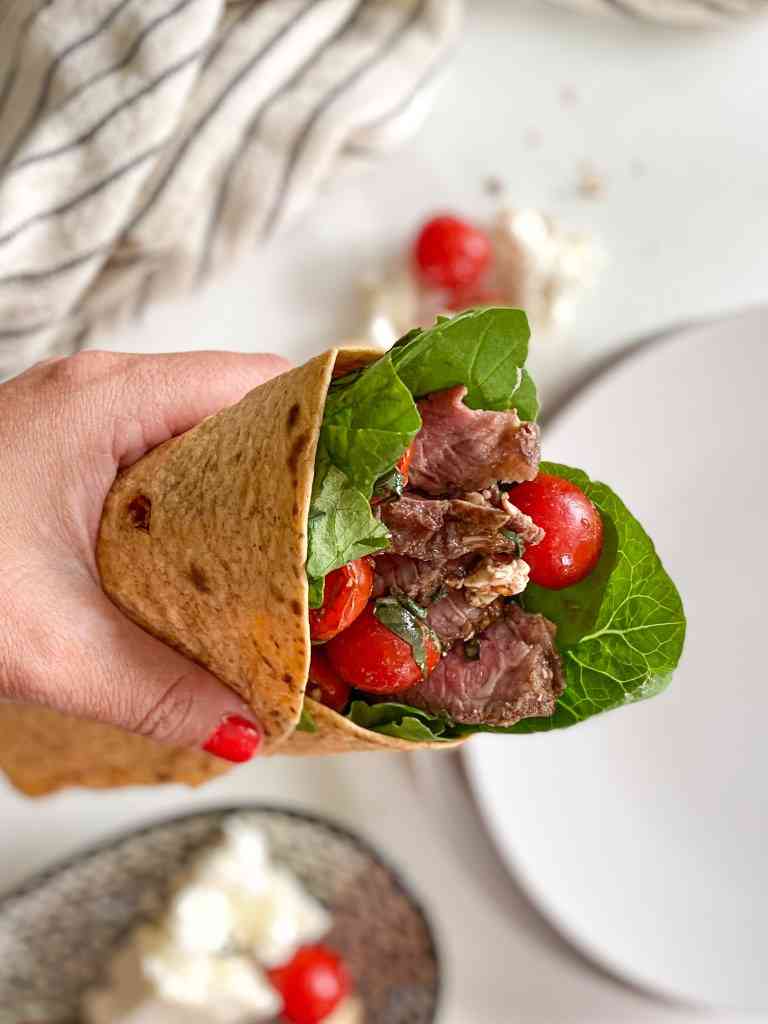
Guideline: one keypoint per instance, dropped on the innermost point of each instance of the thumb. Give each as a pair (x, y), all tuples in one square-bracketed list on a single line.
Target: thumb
[(120, 675)]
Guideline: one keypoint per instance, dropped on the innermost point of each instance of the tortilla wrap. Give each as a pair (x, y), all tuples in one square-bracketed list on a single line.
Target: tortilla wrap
[(203, 543)]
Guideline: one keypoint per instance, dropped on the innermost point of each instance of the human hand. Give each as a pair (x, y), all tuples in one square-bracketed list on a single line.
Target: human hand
[(66, 427)]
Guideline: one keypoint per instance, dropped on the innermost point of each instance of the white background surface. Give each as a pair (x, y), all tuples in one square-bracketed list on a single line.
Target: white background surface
[(685, 238)]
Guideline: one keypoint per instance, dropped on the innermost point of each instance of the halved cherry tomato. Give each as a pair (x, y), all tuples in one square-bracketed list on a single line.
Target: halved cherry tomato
[(574, 530), (312, 984), (449, 253), (324, 684), (371, 657), (346, 591)]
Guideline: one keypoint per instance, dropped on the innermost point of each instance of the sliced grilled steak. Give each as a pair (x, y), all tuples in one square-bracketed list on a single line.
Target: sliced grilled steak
[(462, 449), (454, 618), (516, 675), (418, 580), (434, 529)]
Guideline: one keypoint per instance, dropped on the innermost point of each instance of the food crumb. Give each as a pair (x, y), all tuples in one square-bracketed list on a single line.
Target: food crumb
[(590, 184), (532, 138), (493, 186), (568, 96), (638, 168)]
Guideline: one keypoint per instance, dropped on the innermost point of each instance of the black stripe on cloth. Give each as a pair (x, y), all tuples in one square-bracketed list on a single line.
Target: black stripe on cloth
[(403, 104), (92, 190), (212, 109), (13, 70), (125, 104), (63, 267), (53, 67), (222, 39), (333, 94), (20, 332), (251, 129), (131, 52)]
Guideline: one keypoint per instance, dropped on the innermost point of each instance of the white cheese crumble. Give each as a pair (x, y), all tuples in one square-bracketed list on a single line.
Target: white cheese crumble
[(232, 916)]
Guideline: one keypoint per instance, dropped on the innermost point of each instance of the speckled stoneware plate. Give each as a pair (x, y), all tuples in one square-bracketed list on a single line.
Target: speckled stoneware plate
[(57, 932)]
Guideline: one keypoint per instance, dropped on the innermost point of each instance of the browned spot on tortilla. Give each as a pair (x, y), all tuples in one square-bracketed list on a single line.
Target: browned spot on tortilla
[(297, 448), (267, 662), (295, 509), (287, 678), (139, 512), (277, 594), (197, 576), (293, 415), (295, 607)]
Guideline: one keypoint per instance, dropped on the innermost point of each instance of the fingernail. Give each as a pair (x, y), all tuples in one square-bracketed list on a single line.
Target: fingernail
[(236, 739)]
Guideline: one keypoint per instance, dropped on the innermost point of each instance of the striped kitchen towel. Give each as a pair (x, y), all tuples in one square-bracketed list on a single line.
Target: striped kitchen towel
[(142, 140)]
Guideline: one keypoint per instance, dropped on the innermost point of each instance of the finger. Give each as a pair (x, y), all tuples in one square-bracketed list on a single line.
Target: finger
[(97, 664), (161, 396)]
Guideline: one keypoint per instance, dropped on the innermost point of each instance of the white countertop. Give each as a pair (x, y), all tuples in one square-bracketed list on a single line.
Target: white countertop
[(675, 123)]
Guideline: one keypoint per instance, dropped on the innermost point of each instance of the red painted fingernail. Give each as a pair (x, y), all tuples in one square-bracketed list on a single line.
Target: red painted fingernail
[(236, 739)]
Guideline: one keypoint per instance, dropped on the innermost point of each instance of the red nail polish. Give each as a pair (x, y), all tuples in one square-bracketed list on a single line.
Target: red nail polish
[(236, 739)]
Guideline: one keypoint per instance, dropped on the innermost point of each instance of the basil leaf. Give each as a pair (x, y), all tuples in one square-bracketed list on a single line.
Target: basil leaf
[(517, 540), (621, 630), (391, 485), (483, 349), (403, 623), (306, 722)]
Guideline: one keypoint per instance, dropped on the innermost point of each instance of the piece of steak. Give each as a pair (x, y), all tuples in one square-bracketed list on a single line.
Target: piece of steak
[(517, 674), (433, 529), (462, 449), (453, 618), (419, 580)]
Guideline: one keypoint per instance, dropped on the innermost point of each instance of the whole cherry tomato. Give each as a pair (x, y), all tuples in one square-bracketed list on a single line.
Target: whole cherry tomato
[(312, 984), (324, 684), (346, 592), (450, 253), (371, 657), (573, 530)]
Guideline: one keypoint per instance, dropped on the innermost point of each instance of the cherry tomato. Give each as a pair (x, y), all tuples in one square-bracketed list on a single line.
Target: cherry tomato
[(574, 530), (312, 984), (371, 657), (346, 591), (324, 684), (450, 253)]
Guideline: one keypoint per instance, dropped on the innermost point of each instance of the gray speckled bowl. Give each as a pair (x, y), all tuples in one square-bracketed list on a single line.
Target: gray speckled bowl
[(57, 932)]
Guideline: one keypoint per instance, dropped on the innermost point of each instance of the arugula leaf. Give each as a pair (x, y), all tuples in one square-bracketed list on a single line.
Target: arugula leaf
[(400, 721), (517, 540), (316, 591), (484, 349), (306, 722), (526, 399), (621, 630), (348, 529)]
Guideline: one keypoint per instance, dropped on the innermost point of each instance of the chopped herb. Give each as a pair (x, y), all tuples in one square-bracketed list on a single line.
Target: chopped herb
[(410, 604), (401, 620), (390, 485), (517, 540), (316, 591), (472, 649), (438, 595)]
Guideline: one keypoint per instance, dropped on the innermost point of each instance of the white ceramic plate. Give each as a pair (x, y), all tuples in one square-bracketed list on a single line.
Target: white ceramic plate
[(643, 833)]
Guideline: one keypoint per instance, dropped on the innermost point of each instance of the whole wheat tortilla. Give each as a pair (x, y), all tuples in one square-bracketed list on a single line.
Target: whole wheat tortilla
[(203, 543)]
